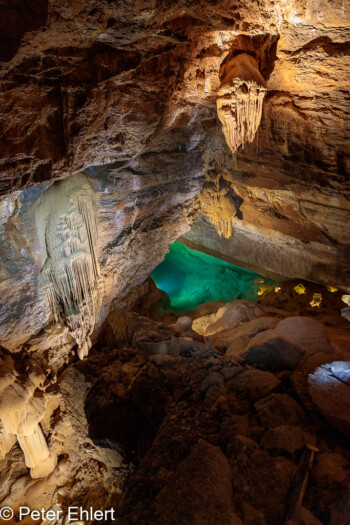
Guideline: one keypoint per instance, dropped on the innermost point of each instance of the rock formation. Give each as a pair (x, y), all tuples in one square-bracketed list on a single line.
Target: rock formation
[(20, 415), (70, 277), (111, 149), (240, 100), (218, 204)]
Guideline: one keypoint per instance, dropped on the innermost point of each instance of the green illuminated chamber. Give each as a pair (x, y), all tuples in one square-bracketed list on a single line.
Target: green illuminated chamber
[(191, 278)]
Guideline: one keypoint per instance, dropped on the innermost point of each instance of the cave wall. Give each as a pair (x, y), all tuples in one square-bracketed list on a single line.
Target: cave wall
[(124, 95), (127, 94)]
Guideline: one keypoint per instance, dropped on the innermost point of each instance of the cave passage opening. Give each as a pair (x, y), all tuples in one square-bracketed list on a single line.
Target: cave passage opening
[(191, 278)]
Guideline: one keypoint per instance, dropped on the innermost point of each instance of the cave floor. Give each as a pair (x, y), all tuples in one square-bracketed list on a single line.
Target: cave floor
[(214, 435), (237, 415)]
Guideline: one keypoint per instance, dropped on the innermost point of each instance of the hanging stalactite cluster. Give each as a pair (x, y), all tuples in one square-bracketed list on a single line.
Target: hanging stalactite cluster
[(240, 100), (70, 277), (218, 203)]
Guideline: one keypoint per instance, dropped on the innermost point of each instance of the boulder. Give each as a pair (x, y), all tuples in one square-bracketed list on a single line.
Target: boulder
[(292, 341), (208, 308), (213, 379), (304, 516), (255, 384), (280, 409), (265, 482), (285, 438), (276, 353), (242, 446), (170, 346), (329, 388), (316, 360), (330, 468), (229, 372), (228, 316), (307, 333), (182, 324), (200, 491), (243, 424), (245, 331), (237, 347)]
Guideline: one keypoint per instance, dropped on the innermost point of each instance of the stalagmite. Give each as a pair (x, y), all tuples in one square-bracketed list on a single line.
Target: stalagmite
[(70, 276), (21, 410), (240, 100), (36, 453)]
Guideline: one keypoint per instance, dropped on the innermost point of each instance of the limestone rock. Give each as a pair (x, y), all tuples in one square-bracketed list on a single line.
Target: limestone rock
[(307, 333), (220, 206), (255, 383), (331, 467), (289, 344), (70, 275), (329, 388), (237, 346), (277, 353), (185, 500), (280, 409), (244, 332), (214, 378), (242, 446), (182, 324), (304, 517), (22, 408), (285, 438), (125, 94), (265, 483), (228, 316), (240, 100), (208, 308)]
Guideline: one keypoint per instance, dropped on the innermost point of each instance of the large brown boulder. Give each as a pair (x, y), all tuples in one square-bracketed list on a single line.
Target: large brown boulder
[(329, 387), (200, 492)]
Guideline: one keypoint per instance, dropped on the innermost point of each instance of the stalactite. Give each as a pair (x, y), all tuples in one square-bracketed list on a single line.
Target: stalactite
[(70, 277), (240, 100), (218, 204)]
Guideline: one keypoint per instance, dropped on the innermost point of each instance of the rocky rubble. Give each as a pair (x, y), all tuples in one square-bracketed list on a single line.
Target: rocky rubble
[(121, 98), (252, 423), (162, 423)]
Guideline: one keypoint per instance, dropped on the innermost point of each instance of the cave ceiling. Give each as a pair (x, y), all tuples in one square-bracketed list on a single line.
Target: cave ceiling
[(126, 93)]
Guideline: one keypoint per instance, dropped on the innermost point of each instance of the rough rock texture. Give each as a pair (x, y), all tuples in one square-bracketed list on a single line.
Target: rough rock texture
[(240, 100), (329, 387), (127, 93), (187, 434), (226, 317), (117, 101), (125, 232)]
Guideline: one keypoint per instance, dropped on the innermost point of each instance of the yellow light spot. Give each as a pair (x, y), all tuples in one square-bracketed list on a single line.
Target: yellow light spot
[(332, 289), (277, 289), (258, 281), (316, 300), (263, 289), (300, 289)]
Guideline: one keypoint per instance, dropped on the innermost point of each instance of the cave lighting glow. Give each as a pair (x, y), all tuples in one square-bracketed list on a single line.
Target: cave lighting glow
[(191, 278)]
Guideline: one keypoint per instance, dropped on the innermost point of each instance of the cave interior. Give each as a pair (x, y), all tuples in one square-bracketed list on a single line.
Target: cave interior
[(174, 262)]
